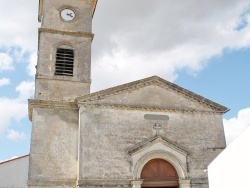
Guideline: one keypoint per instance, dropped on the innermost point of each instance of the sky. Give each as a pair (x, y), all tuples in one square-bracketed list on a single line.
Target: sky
[(203, 46)]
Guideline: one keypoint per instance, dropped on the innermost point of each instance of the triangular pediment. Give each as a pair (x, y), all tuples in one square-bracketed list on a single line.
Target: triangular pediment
[(151, 93), (158, 147), (162, 143)]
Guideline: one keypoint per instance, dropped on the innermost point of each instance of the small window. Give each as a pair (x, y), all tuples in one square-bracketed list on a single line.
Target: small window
[(64, 62)]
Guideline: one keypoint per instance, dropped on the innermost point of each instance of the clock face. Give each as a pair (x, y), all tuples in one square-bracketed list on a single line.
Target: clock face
[(67, 14)]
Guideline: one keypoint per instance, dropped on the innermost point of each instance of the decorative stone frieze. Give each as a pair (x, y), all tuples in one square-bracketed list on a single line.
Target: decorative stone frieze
[(79, 34), (145, 108), (157, 81)]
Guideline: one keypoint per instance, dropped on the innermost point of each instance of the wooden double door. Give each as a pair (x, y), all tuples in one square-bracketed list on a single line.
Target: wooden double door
[(159, 173)]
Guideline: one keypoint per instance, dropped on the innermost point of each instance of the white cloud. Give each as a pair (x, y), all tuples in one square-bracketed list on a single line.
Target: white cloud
[(135, 39), (31, 68), (18, 30), (5, 62), (18, 40), (11, 109), (139, 67), (15, 109), (19, 24), (4, 81), (26, 90), (15, 135), (234, 126), (143, 36)]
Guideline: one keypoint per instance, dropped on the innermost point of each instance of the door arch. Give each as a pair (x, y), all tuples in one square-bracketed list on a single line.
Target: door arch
[(159, 173)]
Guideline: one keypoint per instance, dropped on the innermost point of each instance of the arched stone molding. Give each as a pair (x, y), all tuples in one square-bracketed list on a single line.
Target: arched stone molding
[(159, 148), (180, 168)]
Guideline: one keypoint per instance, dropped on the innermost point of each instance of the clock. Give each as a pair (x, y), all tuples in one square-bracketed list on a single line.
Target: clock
[(68, 14)]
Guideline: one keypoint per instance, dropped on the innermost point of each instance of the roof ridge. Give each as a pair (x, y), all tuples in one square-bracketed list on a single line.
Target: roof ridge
[(16, 158)]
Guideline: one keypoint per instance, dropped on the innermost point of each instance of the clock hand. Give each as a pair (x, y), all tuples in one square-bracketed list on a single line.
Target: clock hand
[(70, 14)]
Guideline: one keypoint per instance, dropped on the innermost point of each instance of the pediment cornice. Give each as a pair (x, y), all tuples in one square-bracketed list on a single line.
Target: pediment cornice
[(153, 140), (93, 98), (146, 108)]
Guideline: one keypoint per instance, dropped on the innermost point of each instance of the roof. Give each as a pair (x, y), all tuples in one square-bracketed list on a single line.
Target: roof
[(152, 80), (40, 10), (10, 160)]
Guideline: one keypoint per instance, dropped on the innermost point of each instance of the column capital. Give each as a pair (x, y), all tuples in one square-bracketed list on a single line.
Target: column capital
[(136, 183), (184, 183)]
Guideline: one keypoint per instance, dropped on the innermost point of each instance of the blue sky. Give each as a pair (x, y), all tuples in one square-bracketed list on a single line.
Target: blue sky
[(225, 80), (203, 47)]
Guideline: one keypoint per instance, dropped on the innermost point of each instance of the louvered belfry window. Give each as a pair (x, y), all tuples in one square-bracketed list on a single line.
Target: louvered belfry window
[(64, 62)]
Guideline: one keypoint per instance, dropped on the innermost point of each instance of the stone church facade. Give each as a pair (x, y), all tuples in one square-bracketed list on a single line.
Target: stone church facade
[(147, 133)]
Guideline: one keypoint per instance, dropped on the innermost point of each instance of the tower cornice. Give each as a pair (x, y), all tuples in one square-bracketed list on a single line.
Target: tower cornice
[(32, 103), (63, 32)]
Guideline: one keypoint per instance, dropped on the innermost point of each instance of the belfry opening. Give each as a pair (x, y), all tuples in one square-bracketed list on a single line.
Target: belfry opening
[(159, 173)]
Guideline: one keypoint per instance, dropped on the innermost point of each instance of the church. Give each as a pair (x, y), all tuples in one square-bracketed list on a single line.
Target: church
[(149, 133)]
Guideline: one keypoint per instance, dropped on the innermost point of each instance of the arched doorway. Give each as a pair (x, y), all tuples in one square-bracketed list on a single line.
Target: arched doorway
[(159, 173)]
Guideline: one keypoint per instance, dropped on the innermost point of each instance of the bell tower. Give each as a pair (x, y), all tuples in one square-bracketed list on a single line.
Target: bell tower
[(64, 49), (63, 74)]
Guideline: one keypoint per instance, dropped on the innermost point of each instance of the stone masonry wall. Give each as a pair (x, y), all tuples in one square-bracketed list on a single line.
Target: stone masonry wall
[(107, 134), (53, 155)]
